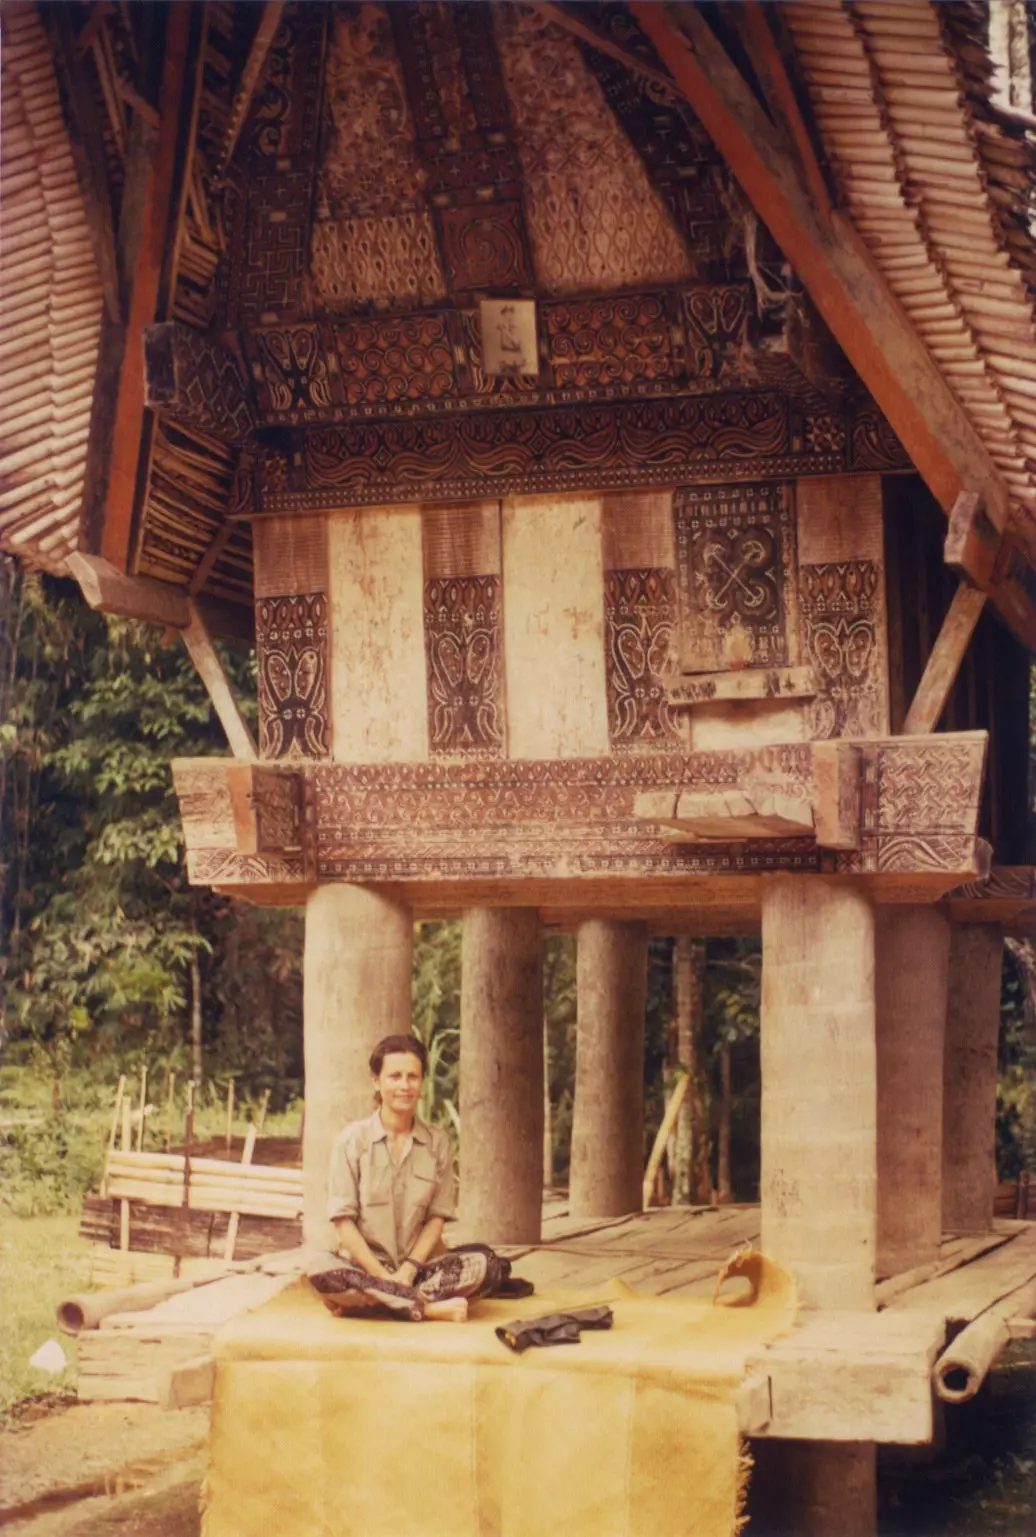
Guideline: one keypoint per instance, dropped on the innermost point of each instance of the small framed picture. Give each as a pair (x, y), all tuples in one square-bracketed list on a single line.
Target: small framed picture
[(509, 344)]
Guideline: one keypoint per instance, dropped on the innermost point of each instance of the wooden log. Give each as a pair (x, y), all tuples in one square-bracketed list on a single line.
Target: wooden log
[(912, 961), (501, 1074), (357, 967), (189, 1383), (819, 1088), (608, 1110), (970, 1078), (116, 1115)]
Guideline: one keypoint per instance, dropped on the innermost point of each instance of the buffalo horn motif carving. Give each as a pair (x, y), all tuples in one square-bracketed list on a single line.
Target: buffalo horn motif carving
[(291, 642), (462, 646)]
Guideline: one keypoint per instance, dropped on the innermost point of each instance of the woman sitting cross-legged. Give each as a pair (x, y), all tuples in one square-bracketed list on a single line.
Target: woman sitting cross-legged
[(391, 1189)]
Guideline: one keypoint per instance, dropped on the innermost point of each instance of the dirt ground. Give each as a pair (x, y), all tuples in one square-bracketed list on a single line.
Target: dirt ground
[(97, 1469)]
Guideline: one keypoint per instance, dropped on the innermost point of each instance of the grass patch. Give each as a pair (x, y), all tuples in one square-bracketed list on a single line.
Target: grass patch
[(42, 1260)]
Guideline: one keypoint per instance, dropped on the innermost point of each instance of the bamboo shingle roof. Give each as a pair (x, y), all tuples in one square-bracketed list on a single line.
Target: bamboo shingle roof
[(340, 186), (50, 306)]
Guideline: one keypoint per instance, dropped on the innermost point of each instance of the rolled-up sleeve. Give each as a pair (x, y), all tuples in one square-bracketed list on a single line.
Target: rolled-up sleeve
[(343, 1180), (444, 1199)]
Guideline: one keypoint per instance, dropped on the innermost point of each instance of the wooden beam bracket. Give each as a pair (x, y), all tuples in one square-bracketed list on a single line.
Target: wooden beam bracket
[(943, 665)]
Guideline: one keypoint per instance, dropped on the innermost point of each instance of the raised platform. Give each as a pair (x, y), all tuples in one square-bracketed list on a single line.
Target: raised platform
[(836, 1377)]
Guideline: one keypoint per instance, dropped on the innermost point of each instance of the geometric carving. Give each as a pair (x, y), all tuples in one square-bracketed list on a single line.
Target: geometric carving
[(573, 818), (736, 561), (843, 622), (609, 341), (391, 261), (462, 457), (484, 246), (195, 379), (291, 648), (594, 220), (462, 647), (717, 316), (640, 611)]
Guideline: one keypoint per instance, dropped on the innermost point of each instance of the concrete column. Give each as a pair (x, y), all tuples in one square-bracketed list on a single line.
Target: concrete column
[(501, 1075), (819, 1092), (356, 989), (969, 1078), (912, 946), (607, 1169)]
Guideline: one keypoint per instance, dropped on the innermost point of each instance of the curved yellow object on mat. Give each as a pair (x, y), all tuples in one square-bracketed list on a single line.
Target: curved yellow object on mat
[(326, 1427)]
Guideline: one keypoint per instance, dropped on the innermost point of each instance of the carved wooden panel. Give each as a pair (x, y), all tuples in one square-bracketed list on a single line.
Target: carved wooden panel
[(735, 554), (639, 620), (462, 630), (639, 613), (843, 616), (842, 600), (594, 219), (292, 638), (720, 439)]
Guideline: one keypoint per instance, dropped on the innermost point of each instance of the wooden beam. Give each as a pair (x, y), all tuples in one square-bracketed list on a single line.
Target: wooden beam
[(771, 71), (210, 669), (153, 602), (117, 430), (833, 263), (132, 597), (204, 567), (836, 794), (743, 683), (944, 663), (266, 31), (570, 22)]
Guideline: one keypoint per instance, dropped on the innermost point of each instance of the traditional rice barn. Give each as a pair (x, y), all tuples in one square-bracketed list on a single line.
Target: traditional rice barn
[(617, 426)]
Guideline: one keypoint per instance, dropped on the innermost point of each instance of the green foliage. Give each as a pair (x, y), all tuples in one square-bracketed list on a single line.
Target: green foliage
[(41, 1263), (1016, 1089), (436, 1019)]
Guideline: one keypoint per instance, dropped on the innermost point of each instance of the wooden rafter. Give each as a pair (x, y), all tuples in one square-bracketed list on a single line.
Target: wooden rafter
[(217, 685), (840, 276), (266, 31), (571, 22), (118, 422)]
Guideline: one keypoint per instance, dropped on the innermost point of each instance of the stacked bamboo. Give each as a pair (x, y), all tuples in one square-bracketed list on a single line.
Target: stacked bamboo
[(50, 306), (913, 160), (205, 1184)]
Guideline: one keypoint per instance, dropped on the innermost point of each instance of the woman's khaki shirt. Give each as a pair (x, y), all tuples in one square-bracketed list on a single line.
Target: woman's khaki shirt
[(389, 1204)]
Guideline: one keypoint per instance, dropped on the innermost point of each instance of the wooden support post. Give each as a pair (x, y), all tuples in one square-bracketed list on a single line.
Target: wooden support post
[(815, 1488), (501, 1075), (124, 1205), (819, 1090), (693, 1181), (607, 1165), (969, 1078), (210, 669), (912, 959), (943, 665), (356, 989)]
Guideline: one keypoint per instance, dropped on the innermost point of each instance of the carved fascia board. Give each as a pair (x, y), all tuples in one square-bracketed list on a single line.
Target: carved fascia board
[(198, 380), (573, 821)]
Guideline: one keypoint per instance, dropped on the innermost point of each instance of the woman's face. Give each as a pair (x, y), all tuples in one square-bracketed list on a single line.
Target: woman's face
[(399, 1082)]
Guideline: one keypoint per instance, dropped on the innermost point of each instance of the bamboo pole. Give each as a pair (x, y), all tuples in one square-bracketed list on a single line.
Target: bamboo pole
[(235, 1218), (169, 1101), (143, 1107), (230, 1112), (124, 1210), (662, 1137), (119, 1092)]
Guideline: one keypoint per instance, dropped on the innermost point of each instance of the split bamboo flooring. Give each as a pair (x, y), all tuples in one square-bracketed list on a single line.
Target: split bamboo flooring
[(849, 1376)]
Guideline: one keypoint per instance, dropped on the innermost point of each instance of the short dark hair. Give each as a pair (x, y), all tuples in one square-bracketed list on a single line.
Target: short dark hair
[(391, 1043)]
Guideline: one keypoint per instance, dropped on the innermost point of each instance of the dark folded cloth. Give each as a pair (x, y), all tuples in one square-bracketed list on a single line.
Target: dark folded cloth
[(553, 1328)]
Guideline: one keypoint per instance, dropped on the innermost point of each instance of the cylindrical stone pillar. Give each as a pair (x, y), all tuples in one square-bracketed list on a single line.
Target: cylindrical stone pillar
[(501, 1075), (969, 1078), (912, 947), (356, 989), (819, 1092), (607, 1168)]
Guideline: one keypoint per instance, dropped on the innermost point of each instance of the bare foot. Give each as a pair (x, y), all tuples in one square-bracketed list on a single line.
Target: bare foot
[(452, 1310)]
